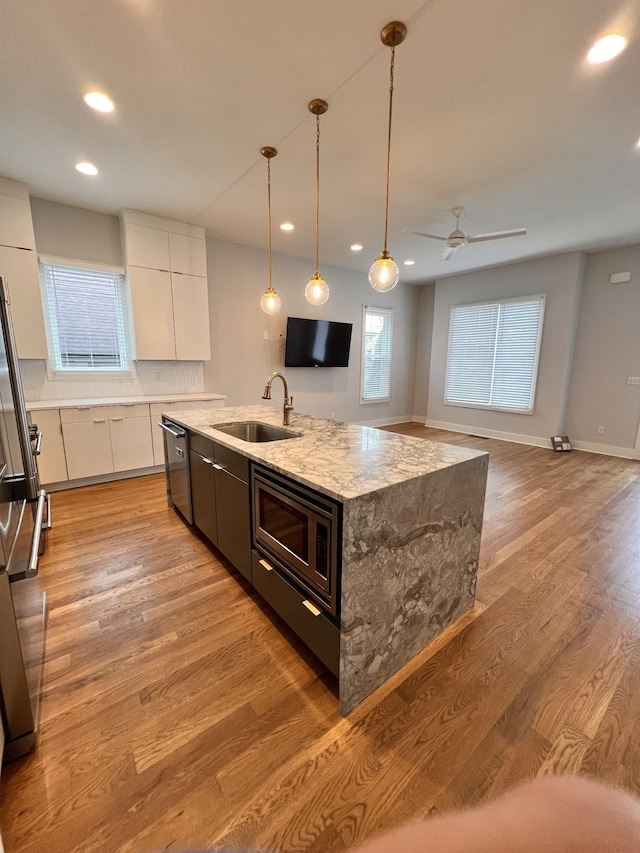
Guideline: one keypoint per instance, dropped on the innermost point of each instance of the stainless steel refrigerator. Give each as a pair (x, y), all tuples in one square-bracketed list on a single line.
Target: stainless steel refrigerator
[(24, 514)]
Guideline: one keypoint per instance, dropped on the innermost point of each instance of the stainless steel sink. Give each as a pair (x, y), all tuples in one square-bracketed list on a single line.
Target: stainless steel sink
[(255, 431)]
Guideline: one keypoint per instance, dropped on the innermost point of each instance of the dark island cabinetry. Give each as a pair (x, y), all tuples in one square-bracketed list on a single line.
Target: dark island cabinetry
[(220, 499)]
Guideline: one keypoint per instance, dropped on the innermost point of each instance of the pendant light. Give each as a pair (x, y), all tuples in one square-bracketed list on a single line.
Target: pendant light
[(317, 290), (270, 302), (384, 272)]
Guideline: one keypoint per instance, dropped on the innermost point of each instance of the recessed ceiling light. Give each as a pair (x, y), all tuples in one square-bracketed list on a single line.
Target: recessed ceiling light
[(86, 168), (99, 101), (356, 247), (606, 48), (409, 263), (287, 226)]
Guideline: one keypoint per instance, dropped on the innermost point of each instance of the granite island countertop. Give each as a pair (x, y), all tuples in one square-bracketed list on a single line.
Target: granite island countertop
[(341, 460)]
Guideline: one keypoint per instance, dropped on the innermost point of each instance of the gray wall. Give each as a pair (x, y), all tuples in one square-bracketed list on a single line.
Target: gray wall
[(424, 320), (242, 359), (560, 278), (63, 231), (607, 352)]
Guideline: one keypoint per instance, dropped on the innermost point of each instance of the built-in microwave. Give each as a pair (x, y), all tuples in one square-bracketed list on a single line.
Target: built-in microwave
[(300, 530)]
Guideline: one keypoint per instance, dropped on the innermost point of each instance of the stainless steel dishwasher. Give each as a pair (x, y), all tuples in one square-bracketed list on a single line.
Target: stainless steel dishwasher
[(176, 463)]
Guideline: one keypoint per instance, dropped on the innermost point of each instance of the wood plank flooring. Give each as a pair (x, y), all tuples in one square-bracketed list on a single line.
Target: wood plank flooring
[(179, 711)]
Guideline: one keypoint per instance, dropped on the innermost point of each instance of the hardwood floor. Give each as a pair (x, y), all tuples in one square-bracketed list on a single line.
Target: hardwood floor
[(179, 711)]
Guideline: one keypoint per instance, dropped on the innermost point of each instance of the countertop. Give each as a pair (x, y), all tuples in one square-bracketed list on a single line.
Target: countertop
[(38, 405), (341, 460)]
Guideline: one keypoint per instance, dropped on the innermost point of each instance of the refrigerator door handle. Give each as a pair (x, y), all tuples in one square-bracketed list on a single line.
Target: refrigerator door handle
[(48, 524), (32, 568), (38, 441)]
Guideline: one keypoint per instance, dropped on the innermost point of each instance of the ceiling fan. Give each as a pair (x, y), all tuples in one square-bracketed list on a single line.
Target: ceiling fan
[(457, 238)]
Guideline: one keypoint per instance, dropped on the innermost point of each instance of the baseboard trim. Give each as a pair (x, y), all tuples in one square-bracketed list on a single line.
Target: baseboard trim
[(402, 419), (102, 478), (605, 449), (534, 441)]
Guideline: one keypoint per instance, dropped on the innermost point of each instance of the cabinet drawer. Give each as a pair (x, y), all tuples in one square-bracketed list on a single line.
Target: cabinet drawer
[(82, 414), (232, 461), (318, 632), (201, 445)]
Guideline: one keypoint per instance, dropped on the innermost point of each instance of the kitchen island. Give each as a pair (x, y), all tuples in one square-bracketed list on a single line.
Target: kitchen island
[(411, 520)]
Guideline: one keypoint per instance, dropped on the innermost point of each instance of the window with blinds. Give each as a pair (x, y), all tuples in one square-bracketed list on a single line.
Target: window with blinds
[(376, 355), (85, 318), (492, 360)]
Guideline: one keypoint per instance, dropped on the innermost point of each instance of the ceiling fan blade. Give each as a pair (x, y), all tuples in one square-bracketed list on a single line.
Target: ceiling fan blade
[(497, 235), (430, 236), (448, 252)]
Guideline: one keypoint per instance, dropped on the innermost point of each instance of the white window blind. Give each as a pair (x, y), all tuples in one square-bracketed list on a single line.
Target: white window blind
[(85, 318), (376, 355), (492, 360)]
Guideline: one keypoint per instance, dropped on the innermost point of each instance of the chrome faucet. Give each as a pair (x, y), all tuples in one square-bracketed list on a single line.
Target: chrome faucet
[(288, 401)]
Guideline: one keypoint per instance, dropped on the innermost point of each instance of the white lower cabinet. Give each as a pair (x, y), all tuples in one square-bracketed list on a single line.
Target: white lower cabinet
[(52, 463), (105, 439), (91, 441), (88, 448), (131, 443)]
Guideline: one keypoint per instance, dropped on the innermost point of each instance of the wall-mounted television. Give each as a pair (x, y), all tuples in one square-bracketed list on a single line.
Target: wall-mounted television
[(317, 343)]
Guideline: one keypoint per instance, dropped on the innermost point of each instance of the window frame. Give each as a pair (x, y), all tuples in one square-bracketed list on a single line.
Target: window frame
[(541, 298), (388, 312), (57, 371)]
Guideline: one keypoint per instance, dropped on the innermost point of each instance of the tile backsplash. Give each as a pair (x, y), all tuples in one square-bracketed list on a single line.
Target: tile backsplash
[(152, 378)]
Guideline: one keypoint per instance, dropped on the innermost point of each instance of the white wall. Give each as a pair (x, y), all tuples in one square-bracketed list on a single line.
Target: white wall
[(607, 352), (424, 320), (242, 359), (560, 278)]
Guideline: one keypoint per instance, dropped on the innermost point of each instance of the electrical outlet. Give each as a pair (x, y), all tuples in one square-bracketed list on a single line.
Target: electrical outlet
[(280, 346), (633, 380), (265, 335), (332, 415), (600, 430)]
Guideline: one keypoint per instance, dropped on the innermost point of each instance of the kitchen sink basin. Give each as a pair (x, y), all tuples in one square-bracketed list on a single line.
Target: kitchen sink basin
[(255, 431)]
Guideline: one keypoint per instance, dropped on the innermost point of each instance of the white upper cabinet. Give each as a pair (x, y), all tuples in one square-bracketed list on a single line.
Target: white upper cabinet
[(191, 317), (16, 226), (19, 268), (167, 268), (188, 255), (147, 247), (152, 310)]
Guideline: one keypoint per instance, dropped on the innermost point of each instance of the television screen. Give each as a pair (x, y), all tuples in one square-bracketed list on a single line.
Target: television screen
[(317, 343)]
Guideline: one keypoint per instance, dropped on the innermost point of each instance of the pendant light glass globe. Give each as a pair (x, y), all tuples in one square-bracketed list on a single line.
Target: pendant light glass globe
[(384, 273), (270, 302), (317, 290)]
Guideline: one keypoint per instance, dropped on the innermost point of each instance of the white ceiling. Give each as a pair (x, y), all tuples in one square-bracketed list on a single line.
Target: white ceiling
[(495, 109)]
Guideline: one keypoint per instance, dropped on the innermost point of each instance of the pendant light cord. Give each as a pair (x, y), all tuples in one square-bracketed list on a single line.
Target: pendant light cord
[(269, 214), (386, 208), (317, 193)]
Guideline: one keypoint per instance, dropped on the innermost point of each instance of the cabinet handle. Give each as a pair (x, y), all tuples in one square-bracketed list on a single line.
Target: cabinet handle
[(311, 607), (116, 419), (207, 461), (266, 565), (217, 467), (82, 408), (98, 420)]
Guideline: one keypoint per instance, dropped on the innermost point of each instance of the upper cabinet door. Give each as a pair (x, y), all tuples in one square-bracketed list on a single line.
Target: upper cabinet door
[(191, 317), (147, 247), (152, 314), (187, 255), (16, 227), (19, 268)]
